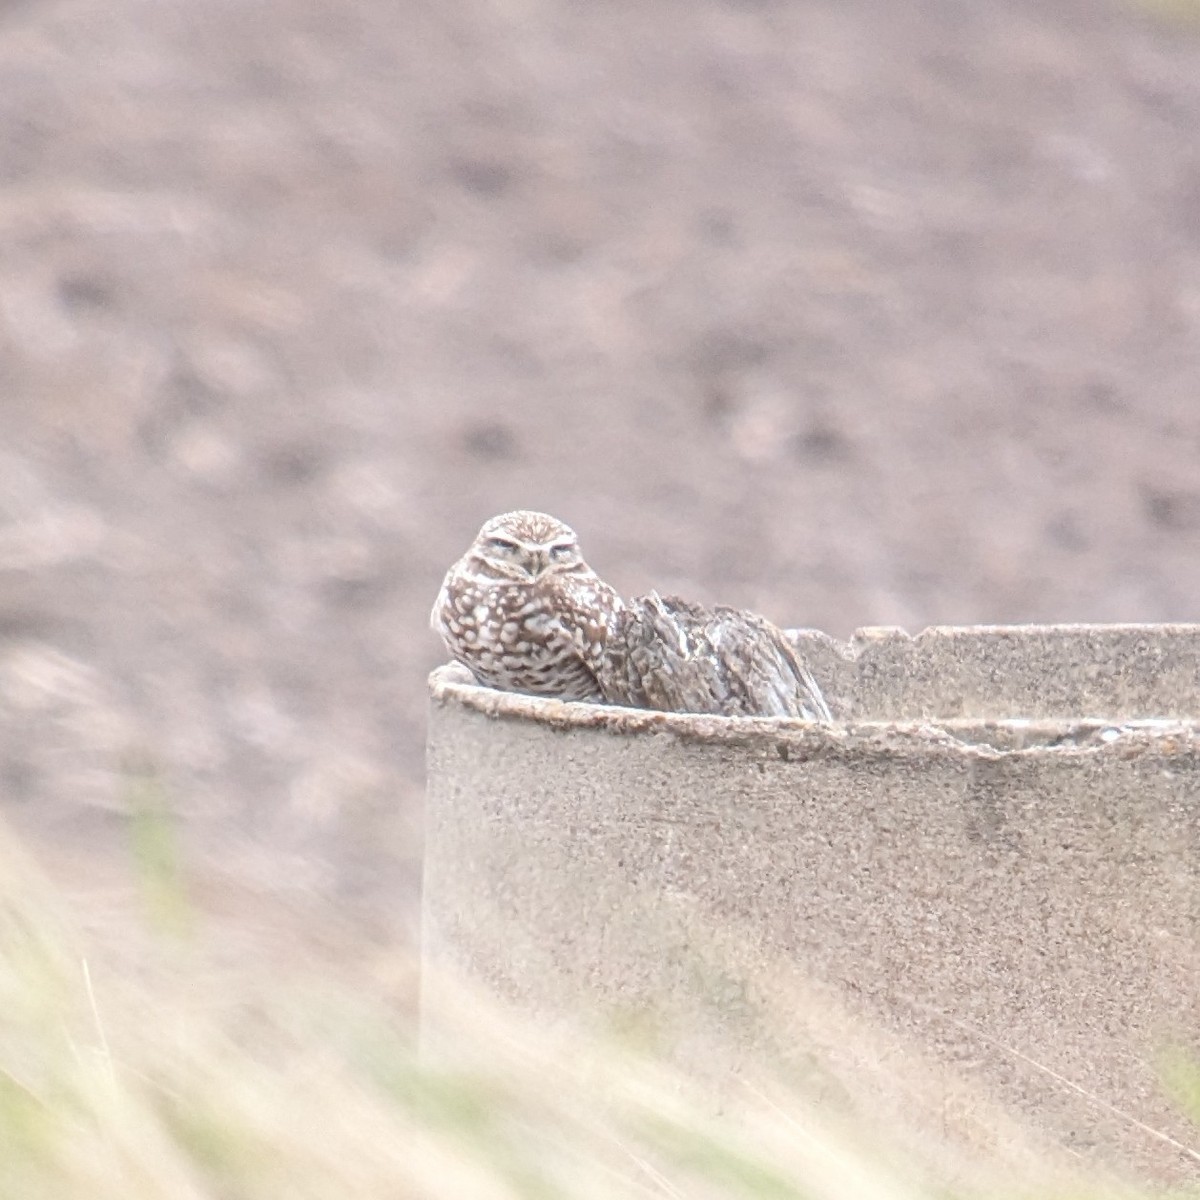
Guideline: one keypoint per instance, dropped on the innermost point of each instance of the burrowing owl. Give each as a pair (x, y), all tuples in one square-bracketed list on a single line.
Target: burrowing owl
[(524, 612)]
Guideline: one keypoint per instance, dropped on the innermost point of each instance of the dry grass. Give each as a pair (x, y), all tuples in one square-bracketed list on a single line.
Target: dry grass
[(143, 1074)]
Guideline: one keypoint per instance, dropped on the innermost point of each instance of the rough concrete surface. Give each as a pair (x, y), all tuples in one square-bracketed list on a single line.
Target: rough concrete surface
[(1008, 673), (1025, 916), (850, 311)]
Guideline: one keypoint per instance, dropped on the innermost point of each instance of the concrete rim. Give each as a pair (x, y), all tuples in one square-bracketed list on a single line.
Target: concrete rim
[(786, 738)]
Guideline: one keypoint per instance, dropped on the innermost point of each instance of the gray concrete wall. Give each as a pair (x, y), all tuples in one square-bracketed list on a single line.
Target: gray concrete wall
[(1005, 894)]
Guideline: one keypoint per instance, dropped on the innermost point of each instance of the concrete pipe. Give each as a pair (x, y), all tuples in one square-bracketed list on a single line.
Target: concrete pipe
[(992, 860)]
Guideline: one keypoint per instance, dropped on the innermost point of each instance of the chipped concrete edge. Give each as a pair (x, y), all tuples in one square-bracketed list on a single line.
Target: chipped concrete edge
[(868, 637), (451, 686)]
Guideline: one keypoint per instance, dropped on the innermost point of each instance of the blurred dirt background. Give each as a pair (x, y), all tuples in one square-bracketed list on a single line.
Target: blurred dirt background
[(849, 311)]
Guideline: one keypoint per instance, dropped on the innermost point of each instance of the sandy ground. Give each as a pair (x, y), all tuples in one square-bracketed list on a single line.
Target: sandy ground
[(849, 311)]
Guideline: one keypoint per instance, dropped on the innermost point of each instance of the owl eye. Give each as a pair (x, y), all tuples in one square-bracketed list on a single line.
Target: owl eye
[(562, 552), (502, 545)]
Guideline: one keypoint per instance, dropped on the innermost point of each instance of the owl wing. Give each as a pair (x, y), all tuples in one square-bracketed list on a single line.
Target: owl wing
[(581, 626)]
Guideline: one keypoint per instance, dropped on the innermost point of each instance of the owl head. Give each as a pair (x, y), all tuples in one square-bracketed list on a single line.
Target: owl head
[(526, 545)]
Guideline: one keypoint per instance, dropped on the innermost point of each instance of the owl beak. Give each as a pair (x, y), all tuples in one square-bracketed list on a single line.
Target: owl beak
[(538, 562)]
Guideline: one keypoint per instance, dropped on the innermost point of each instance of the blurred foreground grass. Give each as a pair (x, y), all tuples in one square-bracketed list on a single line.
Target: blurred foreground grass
[(141, 1073)]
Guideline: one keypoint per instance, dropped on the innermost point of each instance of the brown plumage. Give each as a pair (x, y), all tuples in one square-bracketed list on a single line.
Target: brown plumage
[(524, 612)]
